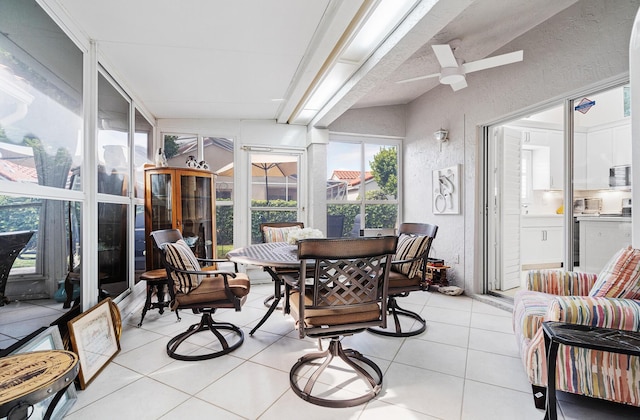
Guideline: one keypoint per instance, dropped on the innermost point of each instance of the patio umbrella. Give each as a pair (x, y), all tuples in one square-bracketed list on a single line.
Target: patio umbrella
[(267, 165)]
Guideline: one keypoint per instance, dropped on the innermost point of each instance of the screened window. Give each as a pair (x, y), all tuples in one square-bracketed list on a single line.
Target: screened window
[(362, 186)]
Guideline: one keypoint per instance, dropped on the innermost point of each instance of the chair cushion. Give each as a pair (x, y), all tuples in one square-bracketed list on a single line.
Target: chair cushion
[(277, 234), (180, 256), (399, 280), (620, 277), (409, 247), (211, 289), (332, 315)]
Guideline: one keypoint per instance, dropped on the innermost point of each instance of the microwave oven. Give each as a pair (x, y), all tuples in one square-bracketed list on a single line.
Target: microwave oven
[(620, 177)]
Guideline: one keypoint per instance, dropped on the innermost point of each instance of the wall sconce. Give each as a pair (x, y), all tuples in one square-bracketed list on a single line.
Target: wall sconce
[(441, 136)]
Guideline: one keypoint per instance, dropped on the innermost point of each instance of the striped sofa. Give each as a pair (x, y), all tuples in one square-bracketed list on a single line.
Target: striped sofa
[(610, 299)]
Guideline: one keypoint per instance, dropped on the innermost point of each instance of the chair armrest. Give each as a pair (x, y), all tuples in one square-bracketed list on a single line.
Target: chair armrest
[(208, 273), (621, 314), (418, 258), (210, 261), (560, 282)]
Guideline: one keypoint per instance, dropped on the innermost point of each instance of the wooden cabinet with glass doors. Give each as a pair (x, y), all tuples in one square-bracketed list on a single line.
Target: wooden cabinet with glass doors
[(180, 198)]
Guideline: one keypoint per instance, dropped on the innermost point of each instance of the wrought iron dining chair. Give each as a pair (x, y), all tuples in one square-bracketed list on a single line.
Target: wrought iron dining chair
[(201, 290), (346, 294), (277, 232), (408, 274)]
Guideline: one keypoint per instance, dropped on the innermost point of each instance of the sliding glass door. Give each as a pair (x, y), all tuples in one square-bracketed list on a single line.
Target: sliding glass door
[(536, 218)]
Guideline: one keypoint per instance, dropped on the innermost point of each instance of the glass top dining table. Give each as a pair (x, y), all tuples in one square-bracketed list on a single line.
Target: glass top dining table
[(276, 258)]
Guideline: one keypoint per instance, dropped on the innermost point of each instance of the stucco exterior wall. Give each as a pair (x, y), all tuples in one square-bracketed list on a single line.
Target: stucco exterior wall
[(573, 51)]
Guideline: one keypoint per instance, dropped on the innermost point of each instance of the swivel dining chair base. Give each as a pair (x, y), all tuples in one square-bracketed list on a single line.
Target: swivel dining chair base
[(396, 311), (206, 324), (352, 358)]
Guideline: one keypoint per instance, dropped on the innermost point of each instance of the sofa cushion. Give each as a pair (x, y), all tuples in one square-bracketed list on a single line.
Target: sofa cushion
[(620, 277), (179, 255), (277, 234), (409, 247)]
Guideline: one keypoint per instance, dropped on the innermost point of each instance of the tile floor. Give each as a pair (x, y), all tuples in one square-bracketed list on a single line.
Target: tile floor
[(465, 366)]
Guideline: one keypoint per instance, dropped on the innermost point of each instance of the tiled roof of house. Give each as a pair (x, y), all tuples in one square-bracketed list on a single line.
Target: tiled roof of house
[(19, 173), (352, 177)]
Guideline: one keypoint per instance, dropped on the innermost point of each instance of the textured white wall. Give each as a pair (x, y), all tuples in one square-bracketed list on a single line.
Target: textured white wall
[(581, 46)]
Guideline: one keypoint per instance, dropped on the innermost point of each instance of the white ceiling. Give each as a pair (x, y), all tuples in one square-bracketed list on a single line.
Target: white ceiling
[(255, 59)]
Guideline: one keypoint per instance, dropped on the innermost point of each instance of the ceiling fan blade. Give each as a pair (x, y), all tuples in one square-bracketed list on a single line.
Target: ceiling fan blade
[(413, 79), (460, 85), (498, 60), (445, 56)]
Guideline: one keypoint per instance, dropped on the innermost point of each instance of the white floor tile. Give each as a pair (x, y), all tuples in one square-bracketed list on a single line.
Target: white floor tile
[(460, 302), (248, 390), (188, 376), (499, 370), (494, 342), (485, 308), (290, 406), (424, 391), (109, 380), (446, 334), (141, 400), (439, 357), (492, 323), (194, 408), (446, 316), (482, 401)]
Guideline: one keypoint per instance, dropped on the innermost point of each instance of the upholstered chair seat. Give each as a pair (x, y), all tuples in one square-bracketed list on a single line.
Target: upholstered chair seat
[(610, 299)]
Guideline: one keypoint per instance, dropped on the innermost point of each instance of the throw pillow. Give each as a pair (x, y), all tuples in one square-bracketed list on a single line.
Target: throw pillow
[(179, 255), (409, 247), (277, 234), (620, 277)]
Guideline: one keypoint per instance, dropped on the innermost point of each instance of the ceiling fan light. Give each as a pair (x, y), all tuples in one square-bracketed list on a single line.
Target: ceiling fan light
[(451, 75)]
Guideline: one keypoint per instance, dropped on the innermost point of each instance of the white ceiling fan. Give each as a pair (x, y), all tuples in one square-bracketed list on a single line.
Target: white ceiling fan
[(453, 70)]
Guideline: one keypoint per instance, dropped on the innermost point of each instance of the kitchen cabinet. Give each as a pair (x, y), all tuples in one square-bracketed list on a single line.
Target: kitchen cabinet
[(579, 161), (180, 198), (602, 149), (541, 240), (599, 159), (547, 158), (600, 238), (621, 145)]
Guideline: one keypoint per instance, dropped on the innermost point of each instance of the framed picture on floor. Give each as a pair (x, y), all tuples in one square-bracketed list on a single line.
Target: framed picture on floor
[(94, 339), (48, 339)]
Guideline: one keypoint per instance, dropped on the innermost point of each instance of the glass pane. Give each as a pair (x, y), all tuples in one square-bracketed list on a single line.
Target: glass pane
[(25, 225), (602, 168), (350, 215), (362, 172), (40, 99), (274, 190), (178, 148), (274, 180), (161, 202), (344, 167), (19, 214), (112, 249), (218, 152), (264, 216), (381, 216), (197, 215), (381, 172), (143, 152), (113, 139), (139, 242)]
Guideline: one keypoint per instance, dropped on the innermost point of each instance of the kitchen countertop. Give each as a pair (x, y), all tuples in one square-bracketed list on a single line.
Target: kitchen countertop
[(604, 218)]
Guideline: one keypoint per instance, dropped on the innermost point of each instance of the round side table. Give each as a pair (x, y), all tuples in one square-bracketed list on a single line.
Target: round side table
[(28, 378)]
